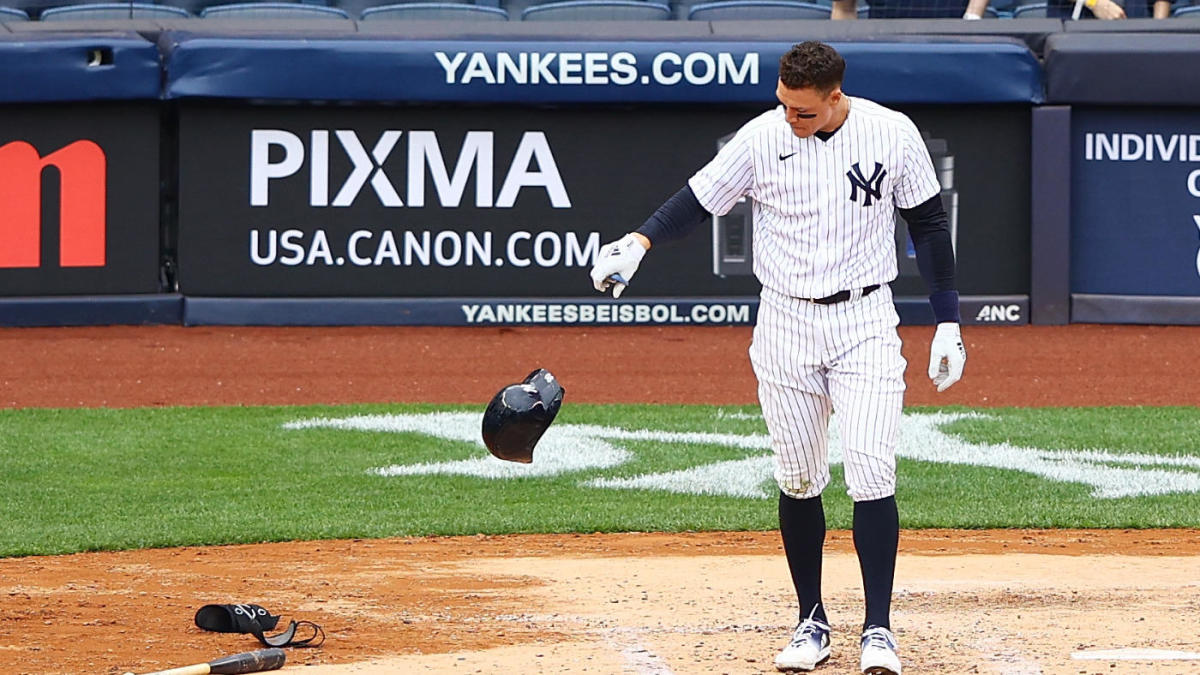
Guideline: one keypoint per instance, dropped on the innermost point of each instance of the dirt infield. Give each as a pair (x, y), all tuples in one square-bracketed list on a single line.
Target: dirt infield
[(966, 602)]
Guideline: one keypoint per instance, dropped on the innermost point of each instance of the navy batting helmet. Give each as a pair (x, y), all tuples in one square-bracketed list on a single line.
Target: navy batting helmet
[(519, 414)]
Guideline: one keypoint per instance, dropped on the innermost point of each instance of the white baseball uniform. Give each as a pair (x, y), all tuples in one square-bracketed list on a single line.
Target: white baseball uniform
[(824, 222)]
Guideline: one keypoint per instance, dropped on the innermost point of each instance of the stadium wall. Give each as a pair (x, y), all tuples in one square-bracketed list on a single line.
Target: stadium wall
[(414, 176)]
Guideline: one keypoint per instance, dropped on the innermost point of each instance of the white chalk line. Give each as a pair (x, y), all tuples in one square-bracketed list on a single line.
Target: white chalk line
[(1135, 654)]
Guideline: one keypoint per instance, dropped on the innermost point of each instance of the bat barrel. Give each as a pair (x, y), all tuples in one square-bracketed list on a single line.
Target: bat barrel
[(249, 662), (246, 662)]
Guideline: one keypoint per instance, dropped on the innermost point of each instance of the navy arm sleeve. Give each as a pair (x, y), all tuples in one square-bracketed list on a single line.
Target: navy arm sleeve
[(930, 230), (676, 218)]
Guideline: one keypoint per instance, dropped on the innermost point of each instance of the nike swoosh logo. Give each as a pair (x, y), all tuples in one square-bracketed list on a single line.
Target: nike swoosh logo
[(783, 157)]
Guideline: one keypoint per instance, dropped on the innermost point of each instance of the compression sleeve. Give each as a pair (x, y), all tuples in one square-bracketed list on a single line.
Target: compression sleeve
[(676, 218), (930, 230)]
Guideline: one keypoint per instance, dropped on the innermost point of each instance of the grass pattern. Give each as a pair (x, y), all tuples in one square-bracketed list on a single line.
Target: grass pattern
[(101, 479)]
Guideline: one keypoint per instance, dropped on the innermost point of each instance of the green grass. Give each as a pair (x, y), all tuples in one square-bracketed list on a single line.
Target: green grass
[(76, 480)]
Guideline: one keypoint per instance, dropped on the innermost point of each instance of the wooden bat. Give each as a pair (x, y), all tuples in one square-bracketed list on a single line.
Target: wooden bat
[(247, 662)]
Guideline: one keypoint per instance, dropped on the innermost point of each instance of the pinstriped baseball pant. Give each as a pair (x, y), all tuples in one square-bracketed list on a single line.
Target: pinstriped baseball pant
[(812, 360)]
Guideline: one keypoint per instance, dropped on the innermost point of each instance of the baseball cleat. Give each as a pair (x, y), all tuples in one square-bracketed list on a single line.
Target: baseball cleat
[(809, 647), (879, 652)]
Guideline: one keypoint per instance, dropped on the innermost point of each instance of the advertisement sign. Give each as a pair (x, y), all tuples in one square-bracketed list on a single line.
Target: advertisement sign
[(382, 68), (492, 201), (1135, 196), (79, 194)]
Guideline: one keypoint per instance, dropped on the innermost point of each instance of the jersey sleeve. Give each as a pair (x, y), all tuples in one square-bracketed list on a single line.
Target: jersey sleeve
[(918, 181), (728, 177)]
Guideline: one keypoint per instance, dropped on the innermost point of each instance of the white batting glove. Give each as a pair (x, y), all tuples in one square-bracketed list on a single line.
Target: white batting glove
[(947, 356), (616, 264)]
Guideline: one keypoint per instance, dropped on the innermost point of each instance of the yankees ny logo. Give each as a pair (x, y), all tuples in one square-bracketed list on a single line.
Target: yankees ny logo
[(871, 187)]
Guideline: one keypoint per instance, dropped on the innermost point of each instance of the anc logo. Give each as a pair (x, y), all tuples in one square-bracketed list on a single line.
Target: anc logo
[(567, 448)]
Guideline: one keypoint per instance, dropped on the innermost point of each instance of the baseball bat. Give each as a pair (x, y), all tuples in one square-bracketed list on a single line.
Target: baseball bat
[(246, 662)]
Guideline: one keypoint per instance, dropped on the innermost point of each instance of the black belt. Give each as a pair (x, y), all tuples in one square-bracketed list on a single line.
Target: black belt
[(842, 296)]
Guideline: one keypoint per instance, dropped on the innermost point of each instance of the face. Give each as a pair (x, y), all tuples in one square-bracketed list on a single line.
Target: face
[(808, 110)]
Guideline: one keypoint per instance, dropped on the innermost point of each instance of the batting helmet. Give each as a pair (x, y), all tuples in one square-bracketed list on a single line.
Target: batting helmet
[(519, 414)]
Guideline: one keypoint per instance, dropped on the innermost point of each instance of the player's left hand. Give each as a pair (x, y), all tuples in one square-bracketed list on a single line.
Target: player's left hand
[(1107, 9), (947, 356), (616, 264)]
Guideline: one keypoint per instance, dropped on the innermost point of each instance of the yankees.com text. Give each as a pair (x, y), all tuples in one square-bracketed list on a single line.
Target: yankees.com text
[(598, 68), (423, 248)]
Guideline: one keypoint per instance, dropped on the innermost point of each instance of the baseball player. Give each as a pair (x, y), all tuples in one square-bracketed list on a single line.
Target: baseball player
[(825, 172)]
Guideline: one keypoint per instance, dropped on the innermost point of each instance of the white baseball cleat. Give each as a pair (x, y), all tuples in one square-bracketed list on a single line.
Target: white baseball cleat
[(879, 652), (809, 646)]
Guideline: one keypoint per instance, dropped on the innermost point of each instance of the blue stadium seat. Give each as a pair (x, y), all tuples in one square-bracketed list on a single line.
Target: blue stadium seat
[(34, 8), (272, 10), (113, 10), (1192, 12), (864, 11), (597, 10), (355, 7), (12, 14), (1030, 11), (727, 10), (436, 11)]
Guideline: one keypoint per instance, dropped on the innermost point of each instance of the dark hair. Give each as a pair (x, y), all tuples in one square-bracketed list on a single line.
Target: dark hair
[(812, 65)]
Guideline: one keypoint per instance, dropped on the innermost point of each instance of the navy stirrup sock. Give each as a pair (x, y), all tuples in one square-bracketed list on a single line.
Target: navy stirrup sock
[(802, 527), (876, 537)]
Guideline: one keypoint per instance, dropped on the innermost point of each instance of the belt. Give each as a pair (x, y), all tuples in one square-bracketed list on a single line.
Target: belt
[(842, 296)]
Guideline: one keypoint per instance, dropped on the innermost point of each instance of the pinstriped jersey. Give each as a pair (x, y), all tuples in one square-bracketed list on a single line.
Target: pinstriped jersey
[(824, 211)]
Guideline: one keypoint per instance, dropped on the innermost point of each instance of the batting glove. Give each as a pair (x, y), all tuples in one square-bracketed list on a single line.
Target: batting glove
[(947, 356), (616, 264)]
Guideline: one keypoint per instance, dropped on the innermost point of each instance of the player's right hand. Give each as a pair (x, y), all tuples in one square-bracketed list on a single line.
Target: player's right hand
[(616, 264), (947, 356)]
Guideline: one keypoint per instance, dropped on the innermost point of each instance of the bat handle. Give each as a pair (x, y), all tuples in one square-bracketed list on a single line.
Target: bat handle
[(194, 669)]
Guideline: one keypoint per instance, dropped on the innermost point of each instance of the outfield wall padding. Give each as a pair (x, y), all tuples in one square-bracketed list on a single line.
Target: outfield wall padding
[(63, 66), (377, 69), (1126, 69)]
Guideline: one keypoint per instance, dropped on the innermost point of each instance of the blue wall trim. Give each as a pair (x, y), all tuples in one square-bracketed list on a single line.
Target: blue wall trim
[(94, 310), (1007, 309)]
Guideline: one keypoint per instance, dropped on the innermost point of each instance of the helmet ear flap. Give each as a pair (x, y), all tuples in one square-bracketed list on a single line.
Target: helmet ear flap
[(519, 414)]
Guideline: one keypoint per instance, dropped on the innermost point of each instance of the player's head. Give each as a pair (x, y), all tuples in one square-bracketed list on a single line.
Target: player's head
[(810, 86)]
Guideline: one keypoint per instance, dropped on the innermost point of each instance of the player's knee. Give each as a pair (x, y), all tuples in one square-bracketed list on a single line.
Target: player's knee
[(800, 487), (878, 488)]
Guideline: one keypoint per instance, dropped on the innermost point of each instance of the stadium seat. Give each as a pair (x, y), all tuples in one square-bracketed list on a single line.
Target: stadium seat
[(1192, 12), (12, 14), (597, 10), (113, 10), (272, 10), (436, 11), (355, 8), (1033, 10), (34, 8), (941, 10), (727, 10)]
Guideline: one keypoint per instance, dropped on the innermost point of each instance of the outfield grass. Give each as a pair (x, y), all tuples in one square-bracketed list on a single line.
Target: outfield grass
[(78, 480)]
